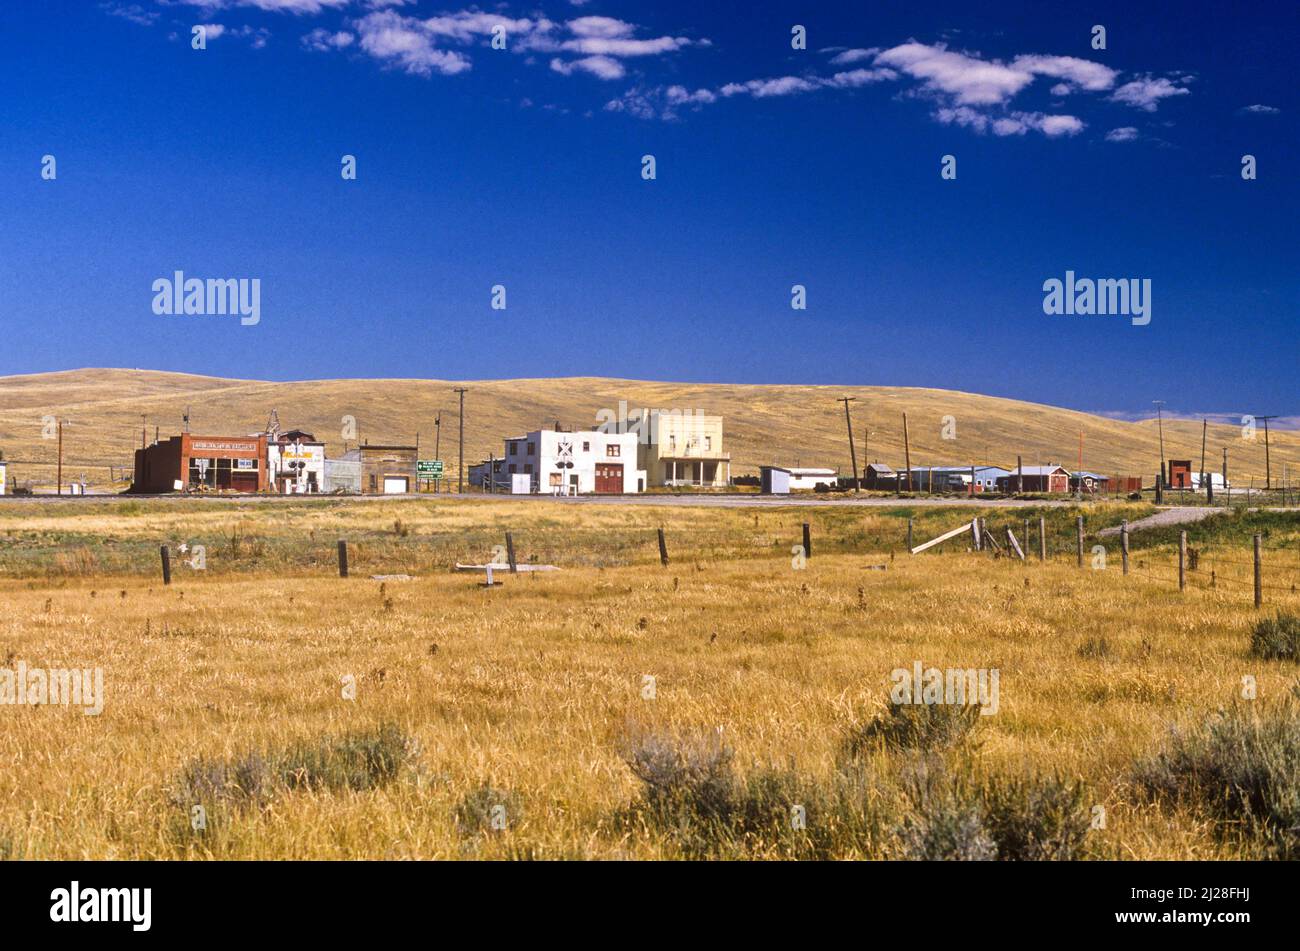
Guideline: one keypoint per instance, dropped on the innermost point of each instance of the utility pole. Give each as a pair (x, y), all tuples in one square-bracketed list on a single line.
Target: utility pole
[(1080, 492), (1160, 423), (460, 453), (60, 476), (144, 429), (907, 454), (186, 418), (1204, 425), (1225, 476), (1268, 472), (853, 456)]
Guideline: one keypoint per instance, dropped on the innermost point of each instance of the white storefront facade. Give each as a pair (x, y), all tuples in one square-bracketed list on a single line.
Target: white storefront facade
[(575, 463)]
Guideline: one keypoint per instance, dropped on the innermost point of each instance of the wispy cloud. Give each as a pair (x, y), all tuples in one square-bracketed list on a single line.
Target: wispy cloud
[(132, 12), (1123, 134), (1147, 91), (1259, 109)]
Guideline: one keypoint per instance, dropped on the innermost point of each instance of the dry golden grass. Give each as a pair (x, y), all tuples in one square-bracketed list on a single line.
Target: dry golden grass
[(535, 685), (763, 424)]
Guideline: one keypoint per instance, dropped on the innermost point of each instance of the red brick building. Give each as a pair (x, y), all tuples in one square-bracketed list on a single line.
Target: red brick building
[(197, 463)]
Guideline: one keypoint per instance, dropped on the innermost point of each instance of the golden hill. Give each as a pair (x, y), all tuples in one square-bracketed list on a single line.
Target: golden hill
[(790, 425)]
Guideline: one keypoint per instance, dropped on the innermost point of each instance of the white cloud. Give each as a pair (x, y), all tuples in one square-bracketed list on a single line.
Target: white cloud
[(271, 6), (1146, 92), (847, 57), (132, 12), (1012, 123), (1262, 110), (853, 78), (1083, 73), (762, 88), (1123, 134), (407, 45), (323, 40), (603, 67), (967, 80)]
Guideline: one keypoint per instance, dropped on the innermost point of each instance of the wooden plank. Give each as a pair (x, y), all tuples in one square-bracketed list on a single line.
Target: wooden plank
[(1015, 545), (942, 538)]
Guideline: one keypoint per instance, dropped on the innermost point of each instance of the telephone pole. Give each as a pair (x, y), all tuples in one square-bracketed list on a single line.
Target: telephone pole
[(907, 454), (1160, 423), (60, 475), (1268, 475), (460, 453), (853, 456)]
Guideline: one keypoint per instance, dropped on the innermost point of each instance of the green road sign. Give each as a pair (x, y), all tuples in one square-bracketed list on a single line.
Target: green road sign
[(429, 468)]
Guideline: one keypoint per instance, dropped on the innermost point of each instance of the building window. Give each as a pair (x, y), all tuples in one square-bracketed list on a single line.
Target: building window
[(514, 450), (586, 446), (512, 468), (708, 443), (528, 468), (532, 448), (374, 483), (612, 450), (672, 441)]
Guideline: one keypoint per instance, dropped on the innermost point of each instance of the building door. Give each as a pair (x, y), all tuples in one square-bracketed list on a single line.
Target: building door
[(396, 485), (609, 478)]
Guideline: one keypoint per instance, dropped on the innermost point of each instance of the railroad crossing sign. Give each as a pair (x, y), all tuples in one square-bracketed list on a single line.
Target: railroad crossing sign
[(429, 468)]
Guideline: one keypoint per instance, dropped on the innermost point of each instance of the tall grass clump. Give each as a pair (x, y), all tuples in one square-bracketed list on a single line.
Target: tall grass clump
[(1277, 637), (692, 794), (358, 761), (923, 727), (1240, 766), (957, 816)]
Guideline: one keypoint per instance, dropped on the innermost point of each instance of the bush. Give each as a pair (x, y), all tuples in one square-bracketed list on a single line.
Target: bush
[(1095, 648), (477, 809), (1276, 638), (355, 761), (925, 727), (1241, 767), (957, 817)]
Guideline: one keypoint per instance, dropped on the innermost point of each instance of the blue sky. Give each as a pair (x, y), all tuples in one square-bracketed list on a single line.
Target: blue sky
[(775, 166)]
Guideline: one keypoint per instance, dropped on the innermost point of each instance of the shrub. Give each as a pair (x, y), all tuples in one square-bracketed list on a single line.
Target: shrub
[(1240, 766), (957, 817), (1276, 638), (925, 727), (358, 761), (477, 809)]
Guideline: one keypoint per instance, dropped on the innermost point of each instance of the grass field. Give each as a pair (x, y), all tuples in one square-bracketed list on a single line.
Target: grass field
[(518, 721)]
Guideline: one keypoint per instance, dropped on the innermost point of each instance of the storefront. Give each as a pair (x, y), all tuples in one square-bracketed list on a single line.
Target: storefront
[(202, 464)]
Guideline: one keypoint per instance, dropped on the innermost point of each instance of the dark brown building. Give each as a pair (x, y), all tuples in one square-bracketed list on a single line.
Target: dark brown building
[(193, 463)]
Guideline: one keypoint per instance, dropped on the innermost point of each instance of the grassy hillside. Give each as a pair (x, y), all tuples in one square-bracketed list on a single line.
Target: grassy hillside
[(764, 424)]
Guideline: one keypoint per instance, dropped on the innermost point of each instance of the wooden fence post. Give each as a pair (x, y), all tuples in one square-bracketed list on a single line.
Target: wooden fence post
[(663, 549), (1042, 538), (1259, 582), (909, 534), (166, 554), (807, 541), (1123, 543), (343, 558), (1078, 528), (1182, 560), (510, 553), (975, 530)]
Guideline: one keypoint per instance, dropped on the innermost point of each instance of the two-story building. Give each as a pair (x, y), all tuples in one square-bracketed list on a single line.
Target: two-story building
[(573, 463), (682, 449)]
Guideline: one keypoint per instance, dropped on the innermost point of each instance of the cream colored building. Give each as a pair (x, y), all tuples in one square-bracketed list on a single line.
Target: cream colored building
[(683, 449)]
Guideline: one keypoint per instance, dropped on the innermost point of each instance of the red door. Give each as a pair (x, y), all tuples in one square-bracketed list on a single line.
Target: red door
[(609, 478)]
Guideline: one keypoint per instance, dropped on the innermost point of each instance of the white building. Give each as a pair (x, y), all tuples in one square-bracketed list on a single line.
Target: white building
[(574, 463), (3, 485), (811, 478), (296, 466)]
